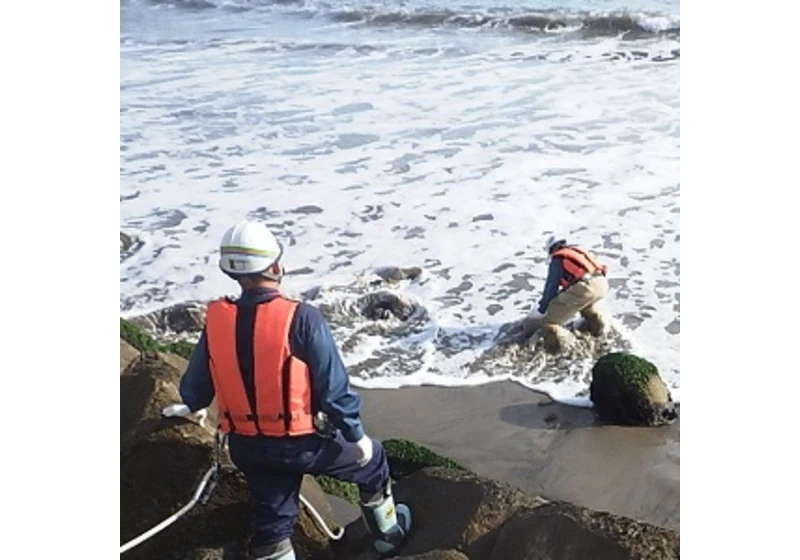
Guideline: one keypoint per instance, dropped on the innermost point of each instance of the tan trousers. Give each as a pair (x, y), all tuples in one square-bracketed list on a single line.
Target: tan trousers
[(581, 298)]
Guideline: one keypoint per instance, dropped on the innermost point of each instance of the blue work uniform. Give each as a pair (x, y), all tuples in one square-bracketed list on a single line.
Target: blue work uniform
[(274, 466), (552, 286)]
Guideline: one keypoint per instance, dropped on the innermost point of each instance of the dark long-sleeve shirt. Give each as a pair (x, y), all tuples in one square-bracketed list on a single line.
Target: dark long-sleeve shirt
[(311, 341), (551, 286)]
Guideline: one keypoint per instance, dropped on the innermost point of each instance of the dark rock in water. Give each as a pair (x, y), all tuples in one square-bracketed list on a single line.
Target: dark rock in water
[(398, 274), (128, 245), (384, 305), (180, 319), (628, 390), (162, 461), (125, 241)]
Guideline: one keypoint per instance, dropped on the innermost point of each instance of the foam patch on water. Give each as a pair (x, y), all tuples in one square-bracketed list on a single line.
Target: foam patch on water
[(460, 156)]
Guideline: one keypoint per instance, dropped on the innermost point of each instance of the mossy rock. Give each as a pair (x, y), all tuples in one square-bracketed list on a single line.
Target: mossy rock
[(345, 490), (136, 337), (182, 348), (627, 389), (143, 342), (406, 457)]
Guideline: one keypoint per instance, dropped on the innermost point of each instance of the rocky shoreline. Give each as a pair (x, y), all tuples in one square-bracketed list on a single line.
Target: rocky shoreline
[(458, 513)]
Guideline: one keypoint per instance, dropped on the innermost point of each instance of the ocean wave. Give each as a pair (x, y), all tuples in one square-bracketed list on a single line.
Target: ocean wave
[(630, 24), (227, 5), (638, 24), (365, 49), (187, 4)]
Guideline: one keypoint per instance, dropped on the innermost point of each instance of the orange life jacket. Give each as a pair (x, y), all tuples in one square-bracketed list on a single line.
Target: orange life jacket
[(577, 263), (279, 403)]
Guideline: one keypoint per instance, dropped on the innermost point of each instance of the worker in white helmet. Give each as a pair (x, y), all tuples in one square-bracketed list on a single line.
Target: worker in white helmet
[(273, 365), (576, 283)]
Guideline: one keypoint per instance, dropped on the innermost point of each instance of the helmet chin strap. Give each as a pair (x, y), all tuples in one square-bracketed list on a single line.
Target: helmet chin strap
[(275, 277)]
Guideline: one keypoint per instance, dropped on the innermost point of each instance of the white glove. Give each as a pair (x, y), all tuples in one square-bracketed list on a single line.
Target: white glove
[(365, 448), (176, 410), (181, 411)]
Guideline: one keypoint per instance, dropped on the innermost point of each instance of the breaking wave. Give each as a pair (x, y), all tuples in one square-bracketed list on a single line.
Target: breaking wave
[(585, 24), (629, 24)]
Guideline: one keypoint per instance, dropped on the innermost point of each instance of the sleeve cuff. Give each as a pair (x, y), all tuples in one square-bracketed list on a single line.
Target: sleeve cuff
[(353, 433)]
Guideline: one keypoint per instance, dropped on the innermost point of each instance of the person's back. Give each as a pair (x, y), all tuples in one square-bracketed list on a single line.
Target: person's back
[(273, 365)]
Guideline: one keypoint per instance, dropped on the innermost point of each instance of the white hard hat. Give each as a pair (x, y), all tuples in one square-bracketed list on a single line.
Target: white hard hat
[(248, 248)]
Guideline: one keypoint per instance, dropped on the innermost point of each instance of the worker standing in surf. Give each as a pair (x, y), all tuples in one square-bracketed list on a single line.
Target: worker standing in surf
[(576, 282), (273, 365)]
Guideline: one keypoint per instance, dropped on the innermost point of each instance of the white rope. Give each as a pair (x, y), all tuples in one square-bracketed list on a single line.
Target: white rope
[(339, 534), (172, 519), (197, 495)]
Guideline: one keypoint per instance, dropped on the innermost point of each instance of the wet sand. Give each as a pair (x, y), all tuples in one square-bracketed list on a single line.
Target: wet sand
[(507, 432)]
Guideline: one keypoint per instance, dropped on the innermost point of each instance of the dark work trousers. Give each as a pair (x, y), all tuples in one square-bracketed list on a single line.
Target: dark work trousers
[(274, 469)]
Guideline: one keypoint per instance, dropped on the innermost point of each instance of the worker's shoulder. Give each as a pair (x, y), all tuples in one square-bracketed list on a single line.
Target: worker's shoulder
[(301, 304), (306, 314), (223, 299)]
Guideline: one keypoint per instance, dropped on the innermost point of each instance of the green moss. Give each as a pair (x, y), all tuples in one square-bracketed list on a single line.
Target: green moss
[(628, 390), (623, 369), (345, 490), (406, 457), (136, 337), (182, 348), (143, 342)]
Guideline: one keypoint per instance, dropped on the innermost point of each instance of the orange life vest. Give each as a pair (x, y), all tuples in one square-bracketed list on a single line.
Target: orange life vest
[(278, 402), (577, 263)]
